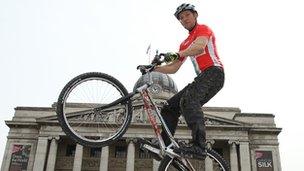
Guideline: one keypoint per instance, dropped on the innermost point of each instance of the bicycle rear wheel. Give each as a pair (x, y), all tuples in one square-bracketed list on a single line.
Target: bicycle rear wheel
[(175, 164), (77, 109)]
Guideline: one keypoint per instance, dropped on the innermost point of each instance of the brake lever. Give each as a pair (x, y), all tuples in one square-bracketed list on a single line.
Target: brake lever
[(158, 59)]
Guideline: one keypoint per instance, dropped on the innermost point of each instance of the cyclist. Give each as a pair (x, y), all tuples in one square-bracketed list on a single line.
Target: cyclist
[(200, 47)]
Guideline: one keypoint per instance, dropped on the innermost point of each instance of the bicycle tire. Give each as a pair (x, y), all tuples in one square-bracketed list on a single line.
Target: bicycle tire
[(101, 135), (168, 163)]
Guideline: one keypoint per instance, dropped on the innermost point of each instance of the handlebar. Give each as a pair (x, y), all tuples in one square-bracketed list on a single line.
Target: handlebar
[(157, 60)]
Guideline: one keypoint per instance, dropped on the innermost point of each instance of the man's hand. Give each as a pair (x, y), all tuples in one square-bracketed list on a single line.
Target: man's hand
[(156, 61), (171, 56)]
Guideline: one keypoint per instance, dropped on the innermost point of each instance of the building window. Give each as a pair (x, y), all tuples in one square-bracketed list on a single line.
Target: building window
[(70, 150), (95, 152), (120, 152), (144, 154)]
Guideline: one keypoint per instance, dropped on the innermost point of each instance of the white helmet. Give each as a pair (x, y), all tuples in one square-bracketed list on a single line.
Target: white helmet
[(184, 7)]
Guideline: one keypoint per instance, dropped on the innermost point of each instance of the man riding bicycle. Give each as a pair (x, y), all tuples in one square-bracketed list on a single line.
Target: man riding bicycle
[(200, 47)]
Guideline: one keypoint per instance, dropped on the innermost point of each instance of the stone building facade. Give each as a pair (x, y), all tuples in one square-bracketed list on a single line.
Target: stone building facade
[(249, 141)]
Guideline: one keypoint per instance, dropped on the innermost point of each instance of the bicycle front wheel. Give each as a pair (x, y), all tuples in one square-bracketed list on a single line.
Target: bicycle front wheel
[(77, 109), (175, 164)]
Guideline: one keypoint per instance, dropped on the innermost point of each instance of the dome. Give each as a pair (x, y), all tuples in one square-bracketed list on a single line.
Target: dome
[(163, 86)]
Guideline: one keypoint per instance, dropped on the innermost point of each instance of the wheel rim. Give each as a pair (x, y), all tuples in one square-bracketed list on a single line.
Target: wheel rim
[(176, 165), (85, 123)]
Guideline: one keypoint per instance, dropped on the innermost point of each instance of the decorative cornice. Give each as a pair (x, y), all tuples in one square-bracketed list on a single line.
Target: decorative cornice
[(267, 130), (222, 109), (11, 124), (254, 115), (35, 108)]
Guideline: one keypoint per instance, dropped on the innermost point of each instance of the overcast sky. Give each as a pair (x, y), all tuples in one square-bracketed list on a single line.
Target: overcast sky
[(45, 43)]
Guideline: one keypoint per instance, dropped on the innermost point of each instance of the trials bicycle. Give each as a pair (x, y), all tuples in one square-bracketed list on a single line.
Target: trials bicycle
[(95, 109)]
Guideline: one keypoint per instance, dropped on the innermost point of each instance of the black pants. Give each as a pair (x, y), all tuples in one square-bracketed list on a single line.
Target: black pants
[(189, 101)]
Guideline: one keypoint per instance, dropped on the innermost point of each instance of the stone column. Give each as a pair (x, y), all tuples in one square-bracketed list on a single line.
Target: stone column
[(40, 155), (278, 159), (7, 156), (78, 158), (233, 155), (52, 154), (155, 165), (130, 155), (104, 159), (245, 156), (208, 160)]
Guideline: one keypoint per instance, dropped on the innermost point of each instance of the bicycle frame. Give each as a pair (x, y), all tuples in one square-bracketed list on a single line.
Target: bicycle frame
[(149, 106)]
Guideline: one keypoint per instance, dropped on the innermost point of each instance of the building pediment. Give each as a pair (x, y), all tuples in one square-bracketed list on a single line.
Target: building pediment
[(138, 117)]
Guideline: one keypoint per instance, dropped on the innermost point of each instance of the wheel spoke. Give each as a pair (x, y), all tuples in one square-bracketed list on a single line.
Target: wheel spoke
[(78, 114)]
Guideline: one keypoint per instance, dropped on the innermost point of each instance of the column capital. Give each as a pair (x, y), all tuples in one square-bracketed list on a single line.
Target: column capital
[(231, 142), (131, 140), (54, 137), (79, 145), (210, 141), (244, 142)]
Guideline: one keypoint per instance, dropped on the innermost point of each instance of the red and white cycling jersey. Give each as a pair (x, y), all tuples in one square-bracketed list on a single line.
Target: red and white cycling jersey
[(209, 57)]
